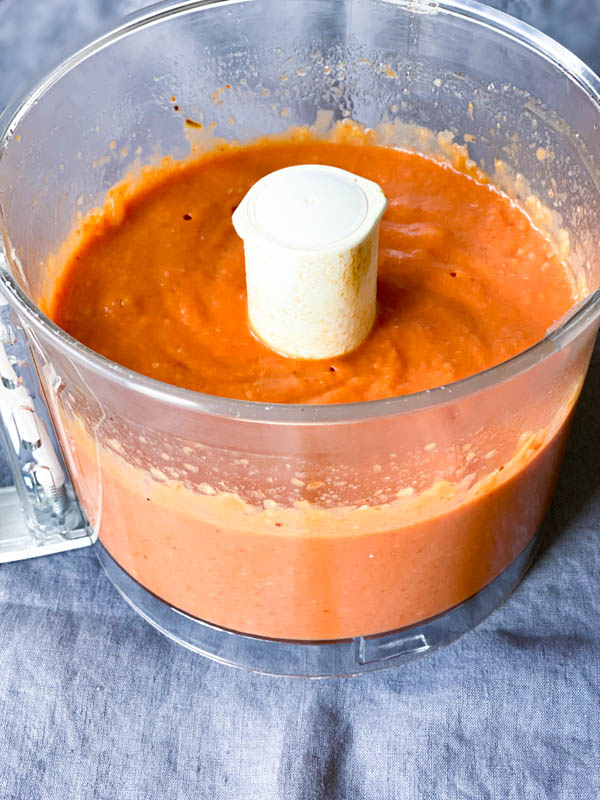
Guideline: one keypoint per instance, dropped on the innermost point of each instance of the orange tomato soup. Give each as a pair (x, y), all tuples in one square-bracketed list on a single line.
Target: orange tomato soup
[(465, 282)]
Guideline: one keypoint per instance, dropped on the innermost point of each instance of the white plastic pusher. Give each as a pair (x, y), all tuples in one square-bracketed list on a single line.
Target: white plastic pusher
[(311, 237)]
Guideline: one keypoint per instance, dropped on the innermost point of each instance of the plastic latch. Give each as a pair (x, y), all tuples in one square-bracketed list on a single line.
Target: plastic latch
[(369, 649), (17, 541)]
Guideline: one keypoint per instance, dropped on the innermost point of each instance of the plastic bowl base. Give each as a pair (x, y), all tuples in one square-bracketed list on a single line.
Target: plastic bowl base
[(343, 657)]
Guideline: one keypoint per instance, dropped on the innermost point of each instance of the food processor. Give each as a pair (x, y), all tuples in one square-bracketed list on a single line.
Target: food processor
[(216, 518)]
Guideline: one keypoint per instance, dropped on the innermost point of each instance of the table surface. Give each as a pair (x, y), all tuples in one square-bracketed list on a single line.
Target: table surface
[(95, 704)]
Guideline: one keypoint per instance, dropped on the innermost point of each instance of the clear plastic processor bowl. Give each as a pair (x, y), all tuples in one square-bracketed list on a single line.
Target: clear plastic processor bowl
[(297, 540)]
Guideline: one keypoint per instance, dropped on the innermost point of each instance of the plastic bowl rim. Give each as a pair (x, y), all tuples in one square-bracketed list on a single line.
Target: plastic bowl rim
[(583, 315)]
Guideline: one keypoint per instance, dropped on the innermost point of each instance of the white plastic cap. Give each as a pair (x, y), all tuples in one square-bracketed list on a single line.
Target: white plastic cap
[(310, 237)]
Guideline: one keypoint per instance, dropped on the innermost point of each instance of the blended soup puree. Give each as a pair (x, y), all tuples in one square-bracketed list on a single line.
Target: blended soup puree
[(465, 281)]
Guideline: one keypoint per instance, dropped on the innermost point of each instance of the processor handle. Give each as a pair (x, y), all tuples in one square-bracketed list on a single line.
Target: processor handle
[(40, 514)]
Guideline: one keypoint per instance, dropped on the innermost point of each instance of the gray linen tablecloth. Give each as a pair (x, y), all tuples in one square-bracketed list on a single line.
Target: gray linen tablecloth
[(95, 704)]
